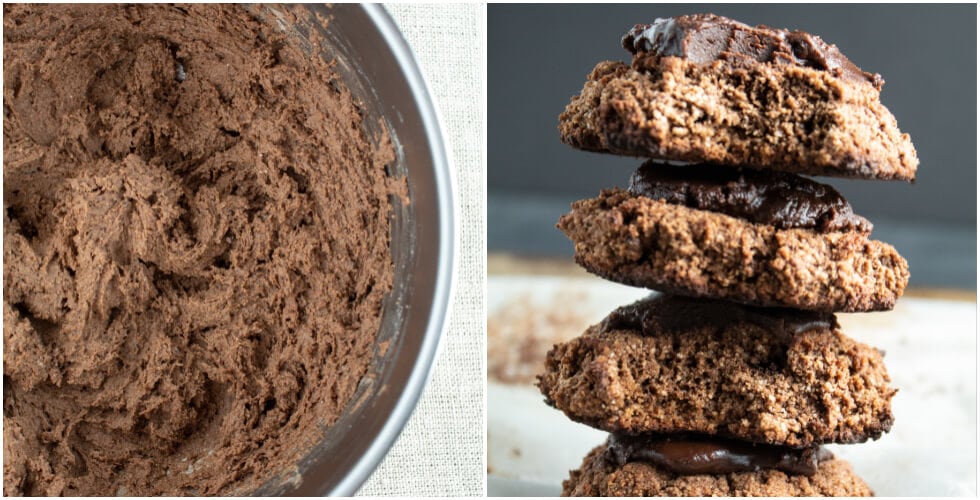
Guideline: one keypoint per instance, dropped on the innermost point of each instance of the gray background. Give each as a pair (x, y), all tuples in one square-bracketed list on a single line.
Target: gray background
[(539, 55)]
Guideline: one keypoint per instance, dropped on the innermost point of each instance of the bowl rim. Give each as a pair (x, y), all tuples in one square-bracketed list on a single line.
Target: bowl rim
[(448, 260)]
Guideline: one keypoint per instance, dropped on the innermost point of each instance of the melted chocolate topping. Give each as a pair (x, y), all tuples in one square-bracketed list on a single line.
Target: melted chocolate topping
[(704, 38), (687, 455), (663, 313), (778, 199)]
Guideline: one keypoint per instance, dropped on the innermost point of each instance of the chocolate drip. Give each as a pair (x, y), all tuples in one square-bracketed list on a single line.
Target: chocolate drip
[(778, 199), (690, 455), (672, 314), (705, 38)]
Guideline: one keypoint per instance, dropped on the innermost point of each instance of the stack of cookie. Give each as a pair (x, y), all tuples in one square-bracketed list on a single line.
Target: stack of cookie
[(731, 379)]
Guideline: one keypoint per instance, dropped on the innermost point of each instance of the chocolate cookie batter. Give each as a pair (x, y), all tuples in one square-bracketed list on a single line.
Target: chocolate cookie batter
[(196, 249)]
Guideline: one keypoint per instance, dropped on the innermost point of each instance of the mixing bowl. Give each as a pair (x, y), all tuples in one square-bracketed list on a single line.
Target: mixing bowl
[(377, 65)]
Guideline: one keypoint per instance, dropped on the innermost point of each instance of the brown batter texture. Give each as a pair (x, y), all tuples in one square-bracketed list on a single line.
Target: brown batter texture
[(196, 249)]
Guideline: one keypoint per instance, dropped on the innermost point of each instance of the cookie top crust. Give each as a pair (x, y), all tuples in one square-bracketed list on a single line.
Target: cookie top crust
[(705, 38), (778, 199)]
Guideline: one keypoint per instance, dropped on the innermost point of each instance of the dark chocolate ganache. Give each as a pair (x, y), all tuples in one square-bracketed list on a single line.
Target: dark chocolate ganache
[(704, 38), (688, 455), (673, 313), (779, 199)]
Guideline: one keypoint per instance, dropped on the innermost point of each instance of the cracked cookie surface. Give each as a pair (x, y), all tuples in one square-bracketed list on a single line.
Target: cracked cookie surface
[(670, 364), (639, 241)]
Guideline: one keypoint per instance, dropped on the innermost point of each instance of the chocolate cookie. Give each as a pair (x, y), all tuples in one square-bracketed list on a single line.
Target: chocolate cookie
[(670, 364), (704, 88), (819, 258), (600, 476)]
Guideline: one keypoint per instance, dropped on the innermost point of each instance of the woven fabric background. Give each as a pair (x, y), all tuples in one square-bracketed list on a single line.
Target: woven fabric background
[(441, 450)]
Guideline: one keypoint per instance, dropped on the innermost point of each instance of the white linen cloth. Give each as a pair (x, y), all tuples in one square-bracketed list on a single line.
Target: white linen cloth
[(441, 450)]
